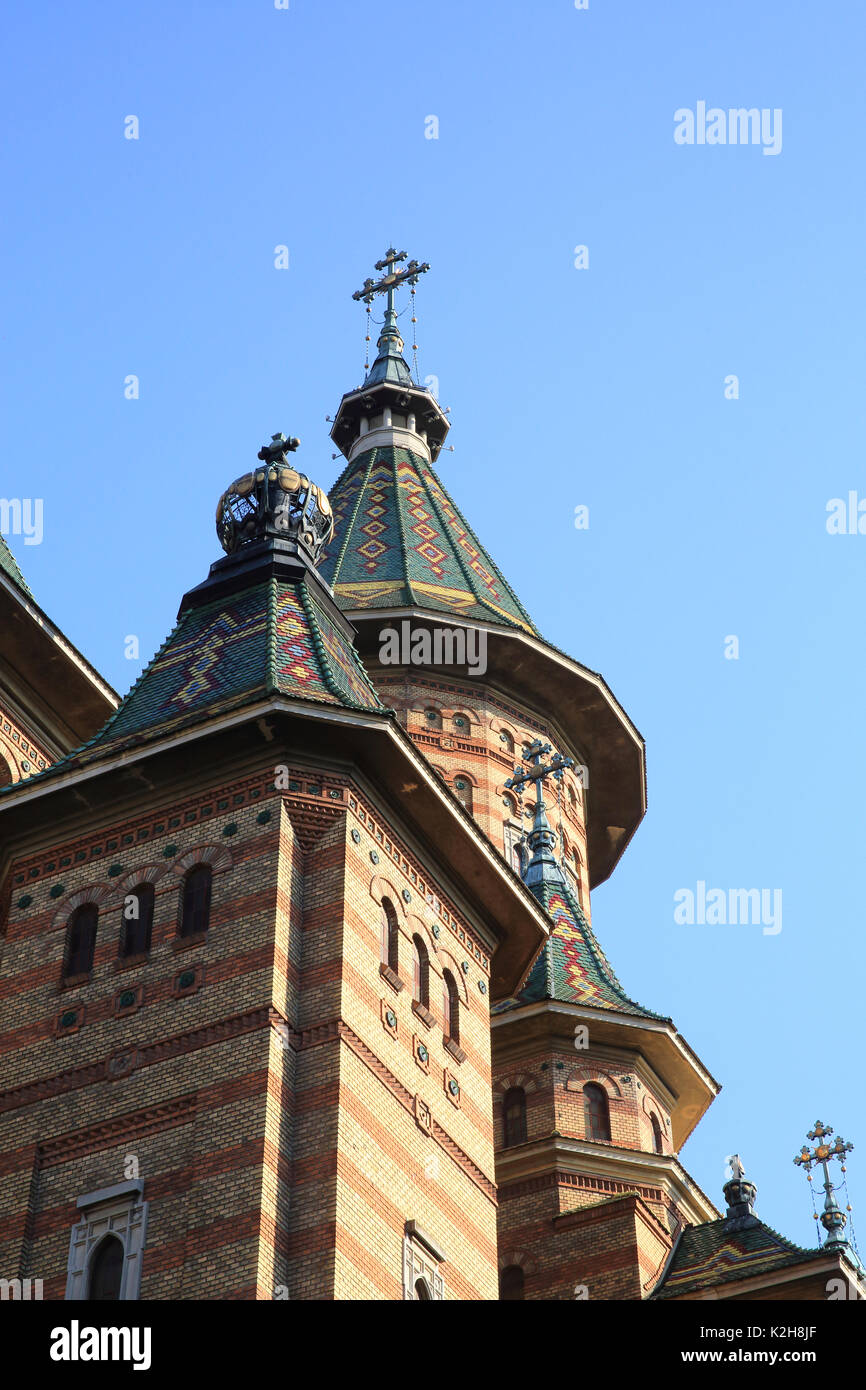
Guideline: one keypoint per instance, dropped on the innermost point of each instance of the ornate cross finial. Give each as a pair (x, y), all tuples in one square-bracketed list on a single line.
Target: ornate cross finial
[(389, 282), (832, 1219), (278, 448), (542, 865)]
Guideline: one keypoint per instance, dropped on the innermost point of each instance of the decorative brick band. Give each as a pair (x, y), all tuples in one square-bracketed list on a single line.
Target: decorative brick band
[(134, 1125), (584, 1181), (146, 1056)]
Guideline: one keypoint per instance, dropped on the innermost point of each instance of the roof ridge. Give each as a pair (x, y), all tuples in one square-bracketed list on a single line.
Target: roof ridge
[(351, 526), (9, 565), (324, 661), (401, 527), (484, 549)]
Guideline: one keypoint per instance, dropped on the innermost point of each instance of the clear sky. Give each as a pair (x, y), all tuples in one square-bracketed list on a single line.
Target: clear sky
[(601, 387)]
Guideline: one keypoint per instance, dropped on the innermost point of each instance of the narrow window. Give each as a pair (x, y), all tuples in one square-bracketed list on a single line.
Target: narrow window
[(137, 921), (5, 773), (433, 719), (81, 940), (512, 1284), (463, 790), (514, 1115), (450, 1007), (420, 973), (422, 1291), (196, 901), (597, 1112), (507, 741), (106, 1271), (388, 935), (657, 1134)]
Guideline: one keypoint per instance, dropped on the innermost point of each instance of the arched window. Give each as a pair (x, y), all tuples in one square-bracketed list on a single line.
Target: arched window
[(462, 725), (572, 800), (106, 1271), (657, 1134), (463, 790), (389, 936), (5, 773), (137, 921), (512, 1284), (81, 940), (450, 1007), (195, 915), (596, 1111), (433, 719), (420, 973), (514, 1116), (422, 1291), (507, 741)]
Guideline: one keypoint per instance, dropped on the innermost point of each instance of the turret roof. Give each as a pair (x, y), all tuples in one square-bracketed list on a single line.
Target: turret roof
[(401, 542)]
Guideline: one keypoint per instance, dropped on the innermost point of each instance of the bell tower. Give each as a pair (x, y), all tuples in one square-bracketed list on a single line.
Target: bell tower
[(593, 1094)]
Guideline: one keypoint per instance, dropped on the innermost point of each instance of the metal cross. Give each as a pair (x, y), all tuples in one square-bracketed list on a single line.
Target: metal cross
[(832, 1219), (389, 282), (533, 754)]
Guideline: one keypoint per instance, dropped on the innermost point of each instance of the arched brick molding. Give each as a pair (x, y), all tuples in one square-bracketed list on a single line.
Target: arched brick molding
[(446, 961), (519, 1078), (148, 873), (416, 926), (217, 856), (382, 887), (520, 1258), (98, 893), (581, 1076)]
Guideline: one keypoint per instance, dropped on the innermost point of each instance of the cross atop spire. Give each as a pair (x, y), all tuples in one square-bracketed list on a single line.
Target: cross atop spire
[(541, 837), (389, 364), (833, 1220), (389, 282)]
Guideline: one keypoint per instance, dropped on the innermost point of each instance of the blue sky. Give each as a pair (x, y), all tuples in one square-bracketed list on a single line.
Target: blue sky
[(602, 387)]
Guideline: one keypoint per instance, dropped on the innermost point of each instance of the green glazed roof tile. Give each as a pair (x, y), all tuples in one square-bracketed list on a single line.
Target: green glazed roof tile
[(399, 541), (10, 568), (571, 966), (708, 1255)]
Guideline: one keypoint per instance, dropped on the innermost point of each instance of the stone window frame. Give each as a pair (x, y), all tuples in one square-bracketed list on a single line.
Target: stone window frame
[(118, 1211), (422, 1259)]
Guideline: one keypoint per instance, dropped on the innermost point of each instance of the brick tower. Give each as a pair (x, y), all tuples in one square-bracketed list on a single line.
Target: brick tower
[(250, 944), (591, 1192)]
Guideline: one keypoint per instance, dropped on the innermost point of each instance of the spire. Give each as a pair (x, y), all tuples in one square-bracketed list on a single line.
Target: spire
[(390, 409), (390, 364), (542, 866), (832, 1218)]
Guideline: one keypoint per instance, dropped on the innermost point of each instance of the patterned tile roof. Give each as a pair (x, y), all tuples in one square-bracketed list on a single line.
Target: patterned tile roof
[(708, 1255), (571, 967), (272, 637), (400, 541), (10, 568)]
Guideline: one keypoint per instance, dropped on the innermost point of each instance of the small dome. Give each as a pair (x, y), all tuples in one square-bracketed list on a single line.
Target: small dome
[(275, 500)]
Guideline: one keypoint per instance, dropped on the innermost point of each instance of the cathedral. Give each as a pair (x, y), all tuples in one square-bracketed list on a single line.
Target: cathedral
[(300, 996)]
